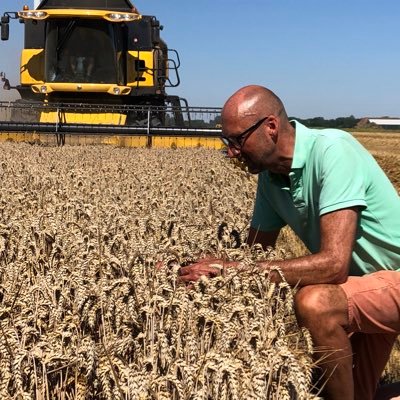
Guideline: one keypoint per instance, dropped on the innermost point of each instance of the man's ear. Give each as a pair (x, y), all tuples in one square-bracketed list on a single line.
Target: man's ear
[(273, 127)]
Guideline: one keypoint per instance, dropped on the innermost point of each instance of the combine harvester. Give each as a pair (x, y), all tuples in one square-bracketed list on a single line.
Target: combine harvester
[(96, 71)]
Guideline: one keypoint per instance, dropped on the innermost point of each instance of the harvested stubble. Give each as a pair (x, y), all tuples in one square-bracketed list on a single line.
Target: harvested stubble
[(85, 315), (384, 147)]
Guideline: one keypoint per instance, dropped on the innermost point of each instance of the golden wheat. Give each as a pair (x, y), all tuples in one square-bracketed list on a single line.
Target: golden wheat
[(84, 313)]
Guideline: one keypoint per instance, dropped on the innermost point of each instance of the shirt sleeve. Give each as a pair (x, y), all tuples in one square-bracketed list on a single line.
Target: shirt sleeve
[(265, 218), (342, 178)]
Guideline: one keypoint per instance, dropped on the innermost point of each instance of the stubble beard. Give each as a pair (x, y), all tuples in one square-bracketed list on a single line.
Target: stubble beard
[(256, 165)]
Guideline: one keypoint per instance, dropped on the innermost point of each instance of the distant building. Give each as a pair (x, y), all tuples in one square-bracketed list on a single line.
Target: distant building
[(379, 123)]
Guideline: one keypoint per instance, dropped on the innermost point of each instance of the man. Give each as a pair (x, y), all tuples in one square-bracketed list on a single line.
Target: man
[(333, 194)]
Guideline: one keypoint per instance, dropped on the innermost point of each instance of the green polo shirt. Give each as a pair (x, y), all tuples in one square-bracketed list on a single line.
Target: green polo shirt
[(331, 171)]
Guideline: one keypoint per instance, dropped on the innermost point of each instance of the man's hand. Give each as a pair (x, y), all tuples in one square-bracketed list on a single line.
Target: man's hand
[(210, 267)]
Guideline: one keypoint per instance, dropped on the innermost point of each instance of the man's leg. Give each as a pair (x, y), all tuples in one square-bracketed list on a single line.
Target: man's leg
[(373, 308), (323, 310), (374, 317), (371, 353)]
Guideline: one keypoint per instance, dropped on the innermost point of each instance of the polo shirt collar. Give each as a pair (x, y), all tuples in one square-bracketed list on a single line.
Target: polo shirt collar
[(304, 142)]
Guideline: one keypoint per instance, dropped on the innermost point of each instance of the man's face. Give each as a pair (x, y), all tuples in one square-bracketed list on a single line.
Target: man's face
[(248, 140)]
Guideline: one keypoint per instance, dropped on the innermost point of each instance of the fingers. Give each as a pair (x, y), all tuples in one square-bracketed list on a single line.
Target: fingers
[(159, 265), (210, 267), (165, 264), (194, 272)]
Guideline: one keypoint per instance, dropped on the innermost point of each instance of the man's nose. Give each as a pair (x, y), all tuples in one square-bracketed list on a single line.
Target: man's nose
[(233, 152)]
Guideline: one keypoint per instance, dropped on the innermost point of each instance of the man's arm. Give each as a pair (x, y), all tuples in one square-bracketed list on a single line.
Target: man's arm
[(207, 266), (330, 265)]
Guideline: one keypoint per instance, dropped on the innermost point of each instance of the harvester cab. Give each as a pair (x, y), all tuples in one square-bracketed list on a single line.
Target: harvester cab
[(93, 52)]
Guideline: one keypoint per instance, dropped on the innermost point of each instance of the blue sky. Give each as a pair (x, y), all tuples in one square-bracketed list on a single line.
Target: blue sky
[(325, 58)]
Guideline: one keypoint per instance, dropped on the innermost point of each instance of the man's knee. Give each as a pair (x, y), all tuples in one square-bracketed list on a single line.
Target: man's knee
[(317, 304)]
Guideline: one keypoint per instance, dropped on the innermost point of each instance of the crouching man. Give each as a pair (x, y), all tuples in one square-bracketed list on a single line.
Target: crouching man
[(333, 194)]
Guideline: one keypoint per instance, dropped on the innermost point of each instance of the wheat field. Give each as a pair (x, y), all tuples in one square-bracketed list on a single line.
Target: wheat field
[(85, 313)]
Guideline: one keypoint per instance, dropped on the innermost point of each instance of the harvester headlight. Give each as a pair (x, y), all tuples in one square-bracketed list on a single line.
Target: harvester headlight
[(121, 17), (117, 90), (43, 89), (33, 14), (40, 14)]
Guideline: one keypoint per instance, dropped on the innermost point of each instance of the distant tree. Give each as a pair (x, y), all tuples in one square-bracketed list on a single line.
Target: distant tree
[(321, 122)]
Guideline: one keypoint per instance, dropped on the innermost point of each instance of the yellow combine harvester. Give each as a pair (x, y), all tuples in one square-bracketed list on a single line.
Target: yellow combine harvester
[(100, 68)]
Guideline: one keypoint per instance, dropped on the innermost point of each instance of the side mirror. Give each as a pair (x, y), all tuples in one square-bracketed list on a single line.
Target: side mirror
[(3, 78), (155, 31), (5, 31), (5, 27), (6, 85)]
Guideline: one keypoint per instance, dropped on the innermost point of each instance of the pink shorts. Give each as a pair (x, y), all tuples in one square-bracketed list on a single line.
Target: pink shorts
[(374, 324)]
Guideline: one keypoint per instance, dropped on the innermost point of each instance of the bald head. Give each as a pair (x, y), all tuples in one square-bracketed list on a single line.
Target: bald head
[(252, 102), (255, 124)]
